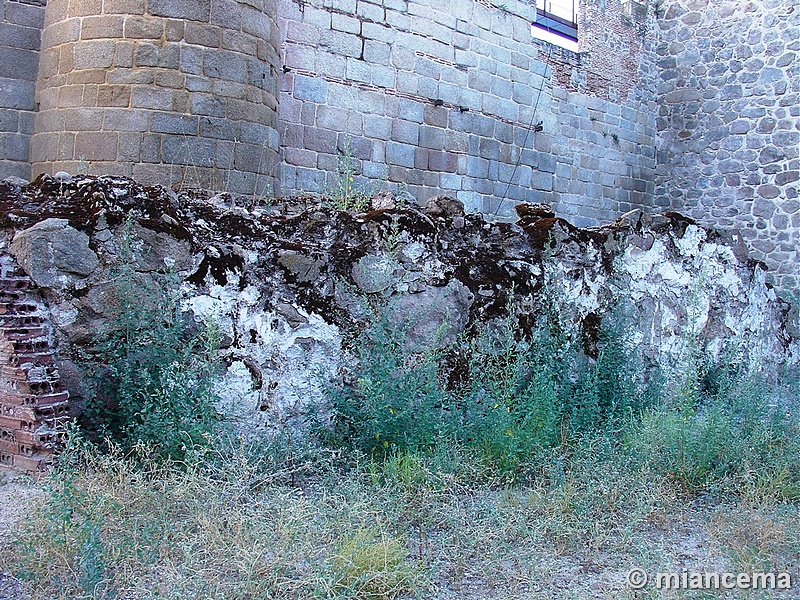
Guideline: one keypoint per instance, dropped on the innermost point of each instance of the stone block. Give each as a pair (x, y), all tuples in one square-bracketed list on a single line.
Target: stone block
[(17, 146), (442, 161), (61, 32), (192, 10), (346, 23), (379, 32), (100, 146), (193, 152), (174, 30), (359, 147), (450, 181), (300, 157), (152, 98), (130, 146), (370, 12), (171, 79), (310, 89), (29, 15), (191, 60), (377, 53), (222, 64), (320, 140), (377, 127), (218, 128), (298, 56), (344, 44), (9, 120), (400, 154), (358, 70), (489, 149), (332, 118), (126, 119), (256, 23), (203, 34), (203, 104), (19, 64), (406, 132), (123, 7), (310, 180), (114, 95), (82, 119), (410, 110), (477, 167), (18, 36), (384, 77), (407, 83), (137, 27), (124, 54), (456, 141), (302, 33), (174, 123)]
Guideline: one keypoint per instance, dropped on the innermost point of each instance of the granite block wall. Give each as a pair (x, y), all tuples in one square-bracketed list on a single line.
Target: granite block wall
[(175, 92), (729, 122), (457, 98), (20, 34)]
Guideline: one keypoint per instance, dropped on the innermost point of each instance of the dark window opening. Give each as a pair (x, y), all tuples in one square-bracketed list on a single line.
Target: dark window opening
[(558, 16)]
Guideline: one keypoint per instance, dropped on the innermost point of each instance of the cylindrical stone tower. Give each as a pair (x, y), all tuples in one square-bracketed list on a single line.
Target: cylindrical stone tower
[(171, 92)]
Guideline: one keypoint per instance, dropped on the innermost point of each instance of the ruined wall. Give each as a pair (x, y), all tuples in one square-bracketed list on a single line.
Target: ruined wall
[(20, 32), (447, 98), (169, 92), (729, 122), (291, 286)]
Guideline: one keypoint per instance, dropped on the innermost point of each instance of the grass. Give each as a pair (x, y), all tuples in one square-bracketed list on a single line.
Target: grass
[(543, 474), (410, 526)]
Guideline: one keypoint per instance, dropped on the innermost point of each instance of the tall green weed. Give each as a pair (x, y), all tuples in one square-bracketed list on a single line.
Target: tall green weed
[(152, 371)]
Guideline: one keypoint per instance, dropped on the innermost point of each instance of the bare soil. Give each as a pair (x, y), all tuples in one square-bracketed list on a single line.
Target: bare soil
[(16, 491)]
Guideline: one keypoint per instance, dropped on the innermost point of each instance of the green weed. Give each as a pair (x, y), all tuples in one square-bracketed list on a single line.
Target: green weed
[(346, 192), (153, 376)]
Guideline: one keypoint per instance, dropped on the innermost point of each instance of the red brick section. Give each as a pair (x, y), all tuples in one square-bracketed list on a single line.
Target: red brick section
[(612, 44), (33, 405)]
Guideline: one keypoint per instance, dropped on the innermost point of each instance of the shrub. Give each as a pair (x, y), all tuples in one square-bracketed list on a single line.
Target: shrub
[(153, 376), (734, 440), (396, 401), (513, 409)]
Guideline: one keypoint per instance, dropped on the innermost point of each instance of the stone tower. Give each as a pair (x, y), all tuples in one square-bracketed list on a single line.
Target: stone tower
[(165, 91)]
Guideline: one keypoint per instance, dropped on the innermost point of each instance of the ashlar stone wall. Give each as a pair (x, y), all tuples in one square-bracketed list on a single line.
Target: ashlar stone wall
[(457, 98), (20, 33), (166, 91), (729, 122)]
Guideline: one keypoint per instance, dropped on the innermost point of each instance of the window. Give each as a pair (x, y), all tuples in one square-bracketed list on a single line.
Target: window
[(557, 22)]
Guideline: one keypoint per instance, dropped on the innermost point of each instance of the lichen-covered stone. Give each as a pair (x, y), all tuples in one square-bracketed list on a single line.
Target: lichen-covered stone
[(54, 254)]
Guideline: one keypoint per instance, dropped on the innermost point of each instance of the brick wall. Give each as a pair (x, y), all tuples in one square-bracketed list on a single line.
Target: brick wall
[(440, 97), (33, 404), (165, 91), (729, 122), (20, 29)]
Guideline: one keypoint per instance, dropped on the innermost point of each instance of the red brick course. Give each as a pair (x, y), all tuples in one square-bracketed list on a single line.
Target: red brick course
[(33, 404)]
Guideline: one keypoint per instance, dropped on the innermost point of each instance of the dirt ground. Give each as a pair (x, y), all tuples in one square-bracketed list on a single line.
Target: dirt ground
[(15, 492)]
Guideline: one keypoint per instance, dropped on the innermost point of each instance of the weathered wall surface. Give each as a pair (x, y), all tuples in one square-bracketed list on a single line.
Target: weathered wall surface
[(20, 33), (446, 98), (170, 92), (290, 285), (729, 122)]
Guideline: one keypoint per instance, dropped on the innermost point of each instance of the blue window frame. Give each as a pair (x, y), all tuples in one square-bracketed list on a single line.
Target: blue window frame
[(558, 16)]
